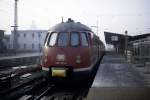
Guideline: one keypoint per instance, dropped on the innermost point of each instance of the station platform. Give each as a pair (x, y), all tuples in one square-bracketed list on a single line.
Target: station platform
[(118, 80), (21, 55), (19, 60)]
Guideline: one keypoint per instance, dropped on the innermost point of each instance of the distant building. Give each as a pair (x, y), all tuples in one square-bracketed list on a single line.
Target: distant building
[(117, 40), (1, 34), (141, 47), (29, 40), (138, 44), (1, 41), (6, 41)]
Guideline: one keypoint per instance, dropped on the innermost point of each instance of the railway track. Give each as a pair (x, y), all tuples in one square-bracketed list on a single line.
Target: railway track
[(23, 86), (36, 87), (18, 79), (64, 93), (52, 92), (8, 75)]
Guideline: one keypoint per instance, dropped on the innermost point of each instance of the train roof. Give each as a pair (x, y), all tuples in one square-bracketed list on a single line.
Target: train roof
[(70, 26)]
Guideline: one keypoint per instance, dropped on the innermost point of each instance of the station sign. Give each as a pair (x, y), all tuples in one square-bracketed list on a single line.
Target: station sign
[(114, 38)]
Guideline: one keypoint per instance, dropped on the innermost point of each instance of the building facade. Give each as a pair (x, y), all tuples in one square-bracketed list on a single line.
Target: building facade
[(141, 47), (1, 41), (117, 40), (29, 40)]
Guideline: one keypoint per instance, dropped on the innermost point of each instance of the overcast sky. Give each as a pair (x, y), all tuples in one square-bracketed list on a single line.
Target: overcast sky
[(112, 15)]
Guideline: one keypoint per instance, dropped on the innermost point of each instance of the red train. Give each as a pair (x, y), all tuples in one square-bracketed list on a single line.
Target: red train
[(71, 49)]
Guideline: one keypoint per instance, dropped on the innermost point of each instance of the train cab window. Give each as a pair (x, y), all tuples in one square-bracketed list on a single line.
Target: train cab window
[(84, 41), (74, 39), (46, 37), (52, 39), (63, 39)]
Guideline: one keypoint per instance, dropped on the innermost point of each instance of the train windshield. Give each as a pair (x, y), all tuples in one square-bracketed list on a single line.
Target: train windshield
[(84, 40), (63, 39), (52, 39), (74, 39)]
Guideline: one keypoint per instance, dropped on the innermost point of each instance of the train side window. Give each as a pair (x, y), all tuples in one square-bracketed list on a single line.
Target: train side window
[(63, 39), (74, 39), (52, 39), (84, 40)]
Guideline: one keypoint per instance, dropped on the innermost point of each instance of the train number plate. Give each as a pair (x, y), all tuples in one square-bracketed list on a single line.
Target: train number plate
[(58, 72)]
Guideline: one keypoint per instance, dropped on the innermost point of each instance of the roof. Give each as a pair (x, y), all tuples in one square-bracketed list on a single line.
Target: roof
[(70, 26), (120, 38), (2, 30), (30, 31), (138, 37)]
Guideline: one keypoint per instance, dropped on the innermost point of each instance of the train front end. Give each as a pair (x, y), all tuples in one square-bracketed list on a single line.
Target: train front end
[(67, 51)]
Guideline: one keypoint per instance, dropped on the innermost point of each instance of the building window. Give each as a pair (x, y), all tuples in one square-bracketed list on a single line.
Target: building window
[(32, 46), (18, 46), (24, 35), (32, 35), (39, 35), (24, 46), (39, 45), (18, 35)]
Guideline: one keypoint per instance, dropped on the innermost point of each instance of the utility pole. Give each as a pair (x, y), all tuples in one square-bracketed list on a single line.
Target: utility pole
[(140, 49), (96, 28), (62, 20), (97, 24), (15, 40), (126, 43)]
